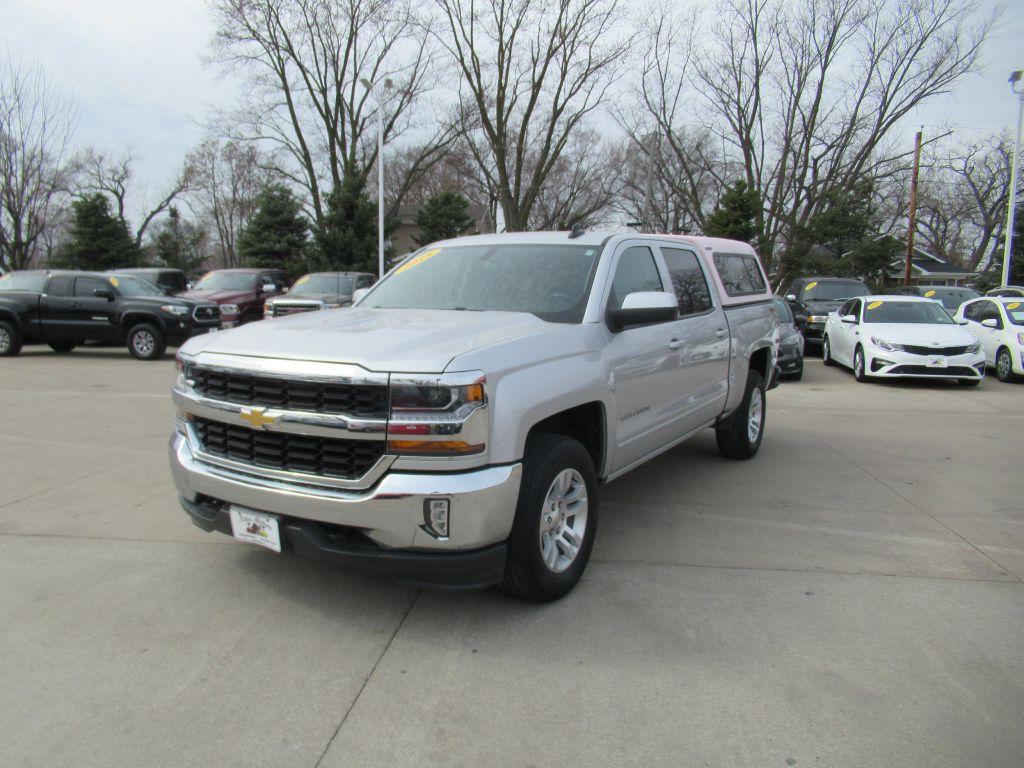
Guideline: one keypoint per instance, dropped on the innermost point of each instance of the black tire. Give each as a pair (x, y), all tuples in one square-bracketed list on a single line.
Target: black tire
[(860, 372), (10, 339), (1004, 365), (968, 382), (826, 352), (734, 439), (526, 574), (146, 342), (62, 346)]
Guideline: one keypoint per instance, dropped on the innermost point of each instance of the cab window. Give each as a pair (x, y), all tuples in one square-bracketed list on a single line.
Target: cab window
[(84, 286), (740, 273), (60, 285), (688, 281), (636, 271)]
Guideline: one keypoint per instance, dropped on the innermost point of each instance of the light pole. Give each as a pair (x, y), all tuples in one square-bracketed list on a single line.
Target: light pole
[(373, 88), (1015, 78)]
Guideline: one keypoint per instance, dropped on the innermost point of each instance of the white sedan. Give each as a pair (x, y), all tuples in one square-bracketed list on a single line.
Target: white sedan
[(901, 336), (999, 323)]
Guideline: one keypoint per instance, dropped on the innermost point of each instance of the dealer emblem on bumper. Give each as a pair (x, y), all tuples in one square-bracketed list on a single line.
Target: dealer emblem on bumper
[(257, 417)]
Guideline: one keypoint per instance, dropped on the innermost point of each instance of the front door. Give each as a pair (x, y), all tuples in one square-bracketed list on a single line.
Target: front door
[(93, 316), (844, 338)]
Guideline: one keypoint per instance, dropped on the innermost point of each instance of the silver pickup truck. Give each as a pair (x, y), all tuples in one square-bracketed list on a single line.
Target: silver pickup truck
[(453, 427)]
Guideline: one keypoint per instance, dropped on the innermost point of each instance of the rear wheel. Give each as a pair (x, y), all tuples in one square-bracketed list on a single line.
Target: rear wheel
[(555, 522), (10, 339), (146, 342), (62, 346), (859, 373), (1004, 365), (741, 438), (826, 352)]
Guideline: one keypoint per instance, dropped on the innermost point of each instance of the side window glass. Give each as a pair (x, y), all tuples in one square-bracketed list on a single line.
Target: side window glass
[(59, 285), (84, 286), (636, 271), (845, 309), (688, 281), (740, 273), (971, 311), (855, 309)]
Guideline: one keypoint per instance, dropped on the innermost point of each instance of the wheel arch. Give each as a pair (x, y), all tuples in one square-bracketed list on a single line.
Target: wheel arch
[(135, 317), (585, 423)]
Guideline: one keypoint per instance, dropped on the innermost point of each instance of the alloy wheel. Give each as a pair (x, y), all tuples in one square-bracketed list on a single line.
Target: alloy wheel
[(755, 414), (1003, 365), (563, 520), (5, 340), (143, 343)]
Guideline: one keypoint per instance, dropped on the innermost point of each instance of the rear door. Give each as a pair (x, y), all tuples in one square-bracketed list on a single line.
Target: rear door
[(700, 344), (56, 308)]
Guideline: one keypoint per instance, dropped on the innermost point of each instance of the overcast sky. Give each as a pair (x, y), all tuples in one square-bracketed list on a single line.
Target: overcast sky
[(134, 69)]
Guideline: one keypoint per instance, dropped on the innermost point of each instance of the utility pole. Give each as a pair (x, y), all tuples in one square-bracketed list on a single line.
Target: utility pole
[(375, 88), (1015, 78), (913, 208)]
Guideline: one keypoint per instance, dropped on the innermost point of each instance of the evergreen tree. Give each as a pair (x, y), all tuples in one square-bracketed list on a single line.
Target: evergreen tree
[(735, 215), (98, 239), (442, 217), (347, 240), (180, 244), (276, 235)]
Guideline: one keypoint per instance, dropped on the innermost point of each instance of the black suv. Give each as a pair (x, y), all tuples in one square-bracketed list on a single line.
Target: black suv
[(171, 281), (812, 298), (64, 309)]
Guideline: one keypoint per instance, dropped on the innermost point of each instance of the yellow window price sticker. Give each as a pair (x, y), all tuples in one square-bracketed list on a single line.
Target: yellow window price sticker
[(810, 285), (113, 282), (303, 279), (874, 305), (1014, 305), (417, 260), (929, 294)]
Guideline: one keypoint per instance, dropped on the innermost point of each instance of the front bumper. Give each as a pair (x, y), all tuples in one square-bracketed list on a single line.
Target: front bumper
[(813, 331), (791, 359), (884, 364), (389, 516)]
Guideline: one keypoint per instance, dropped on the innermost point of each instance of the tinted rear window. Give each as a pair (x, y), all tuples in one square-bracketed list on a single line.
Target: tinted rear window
[(740, 273), (16, 282)]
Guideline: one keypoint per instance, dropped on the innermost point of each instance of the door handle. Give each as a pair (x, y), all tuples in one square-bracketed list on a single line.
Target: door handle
[(720, 333), (676, 343)]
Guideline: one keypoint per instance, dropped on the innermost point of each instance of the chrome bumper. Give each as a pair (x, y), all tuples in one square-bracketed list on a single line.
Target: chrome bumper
[(482, 502)]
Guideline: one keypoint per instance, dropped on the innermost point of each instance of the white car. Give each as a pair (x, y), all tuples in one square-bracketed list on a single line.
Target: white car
[(901, 337), (999, 323)]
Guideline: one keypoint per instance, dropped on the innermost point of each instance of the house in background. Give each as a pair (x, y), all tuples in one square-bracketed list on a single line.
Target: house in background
[(928, 269), (402, 235)]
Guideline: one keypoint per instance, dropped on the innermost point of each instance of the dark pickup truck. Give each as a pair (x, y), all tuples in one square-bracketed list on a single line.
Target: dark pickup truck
[(65, 309)]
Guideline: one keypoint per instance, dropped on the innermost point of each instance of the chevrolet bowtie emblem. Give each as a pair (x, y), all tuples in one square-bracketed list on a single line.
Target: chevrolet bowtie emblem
[(257, 417)]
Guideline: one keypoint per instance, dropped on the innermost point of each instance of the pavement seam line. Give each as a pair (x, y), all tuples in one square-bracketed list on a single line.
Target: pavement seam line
[(912, 503), (366, 680)]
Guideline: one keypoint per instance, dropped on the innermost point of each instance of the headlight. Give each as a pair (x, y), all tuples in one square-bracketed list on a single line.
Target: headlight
[(1020, 340), (817, 319), (888, 346), (184, 366), (443, 415), (976, 346), (229, 309), (174, 309)]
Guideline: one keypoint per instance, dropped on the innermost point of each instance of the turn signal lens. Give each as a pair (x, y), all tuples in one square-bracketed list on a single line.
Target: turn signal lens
[(434, 447)]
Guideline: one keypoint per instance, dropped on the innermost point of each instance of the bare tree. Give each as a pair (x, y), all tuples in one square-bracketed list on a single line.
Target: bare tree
[(98, 171), (807, 93), (228, 177), (532, 72), (305, 61), (36, 123)]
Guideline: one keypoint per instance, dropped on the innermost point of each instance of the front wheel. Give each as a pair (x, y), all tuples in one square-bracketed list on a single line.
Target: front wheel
[(741, 438), (859, 373), (555, 522), (10, 339), (1004, 365), (146, 342), (826, 352)]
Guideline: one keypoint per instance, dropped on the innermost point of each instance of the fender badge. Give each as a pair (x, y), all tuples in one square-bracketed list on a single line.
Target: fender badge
[(256, 417)]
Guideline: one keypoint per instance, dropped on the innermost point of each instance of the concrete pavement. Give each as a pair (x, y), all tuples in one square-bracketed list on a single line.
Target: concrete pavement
[(854, 596)]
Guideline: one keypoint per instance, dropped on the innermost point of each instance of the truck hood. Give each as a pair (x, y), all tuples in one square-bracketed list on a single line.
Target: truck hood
[(398, 340), (221, 297)]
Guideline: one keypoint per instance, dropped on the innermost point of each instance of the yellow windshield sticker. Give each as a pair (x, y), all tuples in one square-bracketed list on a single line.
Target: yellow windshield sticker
[(417, 260), (113, 282), (874, 305), (1013, 306), (810, 285), (303, 279), (929, 294)]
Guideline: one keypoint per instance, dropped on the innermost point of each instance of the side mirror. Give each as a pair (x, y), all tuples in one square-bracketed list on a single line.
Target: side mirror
[(990, 323), (849, 318), (790, 297), (643, 308), (961, 322), (103, 293), (358, 294)]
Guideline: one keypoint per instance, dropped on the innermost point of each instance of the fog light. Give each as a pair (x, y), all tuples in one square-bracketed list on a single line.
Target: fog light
[(435, 517)]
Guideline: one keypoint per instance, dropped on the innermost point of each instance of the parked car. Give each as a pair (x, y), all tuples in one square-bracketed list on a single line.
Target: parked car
[(452, 428), (999, 323), (1007, 290), (812, 298), (791, 343), (240, 292), (949, 296), (65, 309), (318, 290), (901, 336), (173, 282)]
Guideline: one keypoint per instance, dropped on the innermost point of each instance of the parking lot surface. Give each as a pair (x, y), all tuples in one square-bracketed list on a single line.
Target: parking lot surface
[(853, 596)]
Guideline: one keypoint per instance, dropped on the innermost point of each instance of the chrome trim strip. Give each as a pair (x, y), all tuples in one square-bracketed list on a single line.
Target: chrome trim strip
[(334, 425), (299, 370), (254, 473)]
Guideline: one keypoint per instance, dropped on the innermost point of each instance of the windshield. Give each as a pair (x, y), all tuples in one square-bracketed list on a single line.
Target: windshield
[(314, 284), (891, 311), (830, 290), (1015, 311), (549, 281), (226, 281), (951, 298), (14, 282), (131, 286)]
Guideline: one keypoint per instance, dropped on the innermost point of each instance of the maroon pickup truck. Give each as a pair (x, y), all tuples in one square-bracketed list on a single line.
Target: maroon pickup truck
[(240, 292)]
